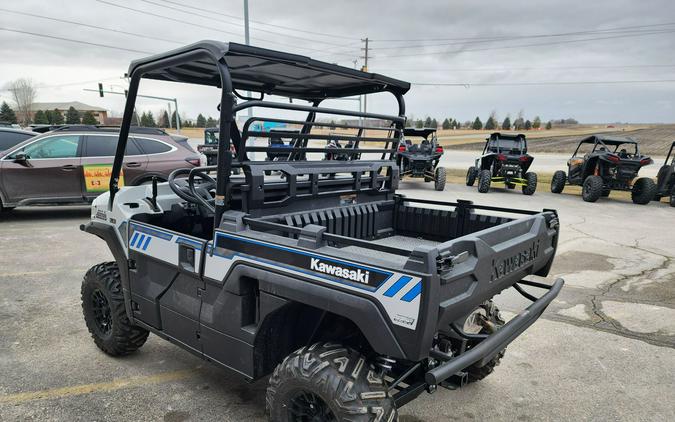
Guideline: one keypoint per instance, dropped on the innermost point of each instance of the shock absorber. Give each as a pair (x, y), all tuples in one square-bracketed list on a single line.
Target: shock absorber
[(384, 363)]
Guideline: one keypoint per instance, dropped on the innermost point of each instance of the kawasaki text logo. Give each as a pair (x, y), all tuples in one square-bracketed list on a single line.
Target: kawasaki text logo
[(337, 271), (503, 267)]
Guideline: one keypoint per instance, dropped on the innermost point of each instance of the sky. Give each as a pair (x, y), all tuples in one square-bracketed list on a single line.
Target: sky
[(540, 58)]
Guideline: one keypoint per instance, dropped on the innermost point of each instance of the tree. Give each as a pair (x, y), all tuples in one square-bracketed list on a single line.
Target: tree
[(151, 120), (506, 124), (72, 116), (434, 123), (549, 126), (164, 119), (57, 117), (456, 124), (536, 124), (491, 123), (173, 119), (23, 93), (528, 124), (89, 119), (419, 124), (519, 123), (135, 119), (7, 115), (446, 124), (49, 115), (210, 122), (40, 118), (427, 122), (477, 124), (201, 120)]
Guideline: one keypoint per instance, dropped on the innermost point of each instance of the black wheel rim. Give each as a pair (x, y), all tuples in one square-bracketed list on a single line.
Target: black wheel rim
[(306, 406), (102, 314)]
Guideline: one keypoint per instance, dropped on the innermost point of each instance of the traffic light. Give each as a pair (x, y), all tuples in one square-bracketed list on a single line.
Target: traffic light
[(100, 89)]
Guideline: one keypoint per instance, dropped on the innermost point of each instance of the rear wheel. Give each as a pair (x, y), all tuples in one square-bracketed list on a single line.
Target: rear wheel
[(484, 320), (328, 382), (606, 192), (643, 191), (439, 179), (105, 314), (484, 179), (592, 188), (558, 181), (471, 176), (531, 187)]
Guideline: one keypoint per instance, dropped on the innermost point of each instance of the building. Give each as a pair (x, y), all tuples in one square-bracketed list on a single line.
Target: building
[(99, 113)]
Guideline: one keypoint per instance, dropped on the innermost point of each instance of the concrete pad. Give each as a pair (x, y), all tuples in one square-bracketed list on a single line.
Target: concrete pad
[(641, 318), (576, 312)]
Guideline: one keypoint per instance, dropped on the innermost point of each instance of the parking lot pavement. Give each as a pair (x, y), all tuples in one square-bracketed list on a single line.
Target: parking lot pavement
[(604, 350)]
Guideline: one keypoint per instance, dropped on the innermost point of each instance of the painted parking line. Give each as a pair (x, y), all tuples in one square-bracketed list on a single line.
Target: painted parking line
[(77, 390)]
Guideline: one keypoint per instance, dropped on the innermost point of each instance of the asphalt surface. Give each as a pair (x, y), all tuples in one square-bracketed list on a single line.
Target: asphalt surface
[(604, 350)]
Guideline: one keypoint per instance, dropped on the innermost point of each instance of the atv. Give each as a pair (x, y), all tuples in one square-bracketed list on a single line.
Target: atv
[(504, 160), (665, 186), (210, 147), (419, 154), (350, 297), (601, 164)]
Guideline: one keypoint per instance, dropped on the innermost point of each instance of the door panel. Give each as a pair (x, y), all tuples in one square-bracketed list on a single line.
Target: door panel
[(52, 170), (98, 155)]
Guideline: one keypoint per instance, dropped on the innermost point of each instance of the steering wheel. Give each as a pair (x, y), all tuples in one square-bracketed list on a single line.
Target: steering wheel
[(186, 189)]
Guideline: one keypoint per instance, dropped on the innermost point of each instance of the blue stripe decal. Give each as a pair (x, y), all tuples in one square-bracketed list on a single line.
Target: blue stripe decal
[(147, 242), (301, 252), (133, 239), (396, 287), (140, 241), (189, 242), (157, 233), (412, 293)]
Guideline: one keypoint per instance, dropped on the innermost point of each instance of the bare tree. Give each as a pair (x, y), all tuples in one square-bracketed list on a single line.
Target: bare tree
[(23, 93)]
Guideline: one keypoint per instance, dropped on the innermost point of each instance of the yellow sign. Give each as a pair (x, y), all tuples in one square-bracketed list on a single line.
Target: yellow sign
[(97, 177)]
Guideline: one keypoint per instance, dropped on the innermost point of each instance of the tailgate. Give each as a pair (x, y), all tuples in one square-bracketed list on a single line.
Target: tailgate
[(493, 260)]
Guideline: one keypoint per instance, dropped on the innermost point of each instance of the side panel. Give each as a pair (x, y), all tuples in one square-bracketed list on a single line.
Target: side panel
[(164, 281)]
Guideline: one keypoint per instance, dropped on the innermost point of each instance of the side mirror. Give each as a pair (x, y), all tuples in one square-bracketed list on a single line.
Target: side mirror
[(21, 158)]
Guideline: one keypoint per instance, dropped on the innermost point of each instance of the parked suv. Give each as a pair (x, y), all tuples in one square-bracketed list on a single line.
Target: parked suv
[(72, 164), (10, 137)]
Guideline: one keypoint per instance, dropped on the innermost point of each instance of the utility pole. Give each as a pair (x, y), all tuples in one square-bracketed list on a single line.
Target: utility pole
[(247, 40), (365, 69)]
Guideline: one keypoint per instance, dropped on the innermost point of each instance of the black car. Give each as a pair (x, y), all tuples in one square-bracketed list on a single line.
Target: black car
[(504, 160), (419, 154), (10, 137), (601, 164), (665, 186)]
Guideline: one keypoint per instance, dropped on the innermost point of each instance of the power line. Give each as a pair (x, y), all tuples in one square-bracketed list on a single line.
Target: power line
[(188, 12), (89, 26), (238, 18), (74, 41), (524, 45), (468, 85), (494, 37), (144, 12), (509, 69)]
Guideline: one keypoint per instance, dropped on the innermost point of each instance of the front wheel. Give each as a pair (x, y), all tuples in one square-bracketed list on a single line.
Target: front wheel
[(592, 189), (531, 187), (471, 176), (643, 191), (328, 382), (105, 314), (558, 181), (439, 179), (484, 180)]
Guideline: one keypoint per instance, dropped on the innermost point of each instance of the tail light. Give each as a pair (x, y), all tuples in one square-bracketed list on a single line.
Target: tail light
[(524, 159), (439, 149), (401, 148), (194, 161), (613, 158), (646, 161), (501, 157)]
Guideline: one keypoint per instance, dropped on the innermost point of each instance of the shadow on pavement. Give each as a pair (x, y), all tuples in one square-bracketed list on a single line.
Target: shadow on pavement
[(46, 213)]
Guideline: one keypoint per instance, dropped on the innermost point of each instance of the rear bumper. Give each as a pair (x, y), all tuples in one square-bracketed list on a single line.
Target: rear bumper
[(493, 344)]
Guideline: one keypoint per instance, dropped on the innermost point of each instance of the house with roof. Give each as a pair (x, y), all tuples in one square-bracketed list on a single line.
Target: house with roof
[(99, 113)]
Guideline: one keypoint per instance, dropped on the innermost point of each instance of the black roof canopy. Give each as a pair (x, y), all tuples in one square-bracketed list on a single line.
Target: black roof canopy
[(268, 71), (607, 140)]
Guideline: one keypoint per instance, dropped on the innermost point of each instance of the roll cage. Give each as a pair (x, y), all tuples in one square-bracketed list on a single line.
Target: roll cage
[(670, 157), (607, 144), (497, 142), (234, 68)]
